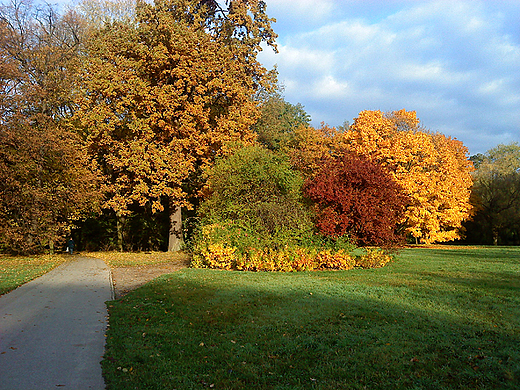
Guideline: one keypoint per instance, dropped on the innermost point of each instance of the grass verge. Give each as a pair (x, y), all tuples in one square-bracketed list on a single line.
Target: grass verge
[(15, 271), (434, 319)]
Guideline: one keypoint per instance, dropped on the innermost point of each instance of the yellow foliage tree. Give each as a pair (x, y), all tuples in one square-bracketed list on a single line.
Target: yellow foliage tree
[(164, 95), (434, 170), (308, 147)]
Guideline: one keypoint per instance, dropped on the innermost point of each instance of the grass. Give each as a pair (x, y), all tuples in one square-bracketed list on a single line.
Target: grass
[(131, 259), (434, 319), (15, 271)]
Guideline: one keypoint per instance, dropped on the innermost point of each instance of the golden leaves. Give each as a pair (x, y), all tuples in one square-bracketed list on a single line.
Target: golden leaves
[(163, 96), (433, 170)]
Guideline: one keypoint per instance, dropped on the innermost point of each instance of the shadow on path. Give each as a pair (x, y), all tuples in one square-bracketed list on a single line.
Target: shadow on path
[(52, 329)]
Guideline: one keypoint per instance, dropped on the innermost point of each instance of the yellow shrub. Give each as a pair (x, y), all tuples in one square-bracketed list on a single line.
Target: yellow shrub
[(373, 258), (338, 260), (304, 260), (219, 256)]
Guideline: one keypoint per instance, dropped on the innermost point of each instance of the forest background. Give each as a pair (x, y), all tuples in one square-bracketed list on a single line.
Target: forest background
[(137, 126)]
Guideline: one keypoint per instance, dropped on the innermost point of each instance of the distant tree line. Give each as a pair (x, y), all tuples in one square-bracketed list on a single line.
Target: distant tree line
[(496, 197), (139, 126)]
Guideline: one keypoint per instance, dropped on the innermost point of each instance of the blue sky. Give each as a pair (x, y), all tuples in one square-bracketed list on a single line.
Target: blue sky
[(457, 63)]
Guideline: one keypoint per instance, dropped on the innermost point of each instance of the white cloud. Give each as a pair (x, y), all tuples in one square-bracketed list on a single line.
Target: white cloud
[(315, 59), (314, 10), (329, 87), (454, 62)]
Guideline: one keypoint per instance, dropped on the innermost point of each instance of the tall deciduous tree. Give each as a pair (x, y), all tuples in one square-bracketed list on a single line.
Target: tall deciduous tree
[(310, 147), (163, 96), (96, 13), (279, 120), (433, 170), (44, 182)]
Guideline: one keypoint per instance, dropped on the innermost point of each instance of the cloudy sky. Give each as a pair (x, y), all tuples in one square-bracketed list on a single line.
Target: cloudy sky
[(457, 63)]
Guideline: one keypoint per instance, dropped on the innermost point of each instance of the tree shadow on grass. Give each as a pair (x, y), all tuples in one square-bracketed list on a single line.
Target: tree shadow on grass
[(506, 282), (482, 254), (230, 330)]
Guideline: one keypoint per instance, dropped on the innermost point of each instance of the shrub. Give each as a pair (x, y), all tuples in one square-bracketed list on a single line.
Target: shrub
[(219, 256), (255, 199), (356, 197), (373, 258), (254, 219), (288, 259), (327, 259)]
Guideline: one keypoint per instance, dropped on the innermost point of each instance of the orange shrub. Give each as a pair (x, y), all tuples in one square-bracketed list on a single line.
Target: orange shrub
[(219, 256)]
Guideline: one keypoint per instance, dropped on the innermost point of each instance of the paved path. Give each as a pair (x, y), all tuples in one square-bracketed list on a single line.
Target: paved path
[(52, 330)]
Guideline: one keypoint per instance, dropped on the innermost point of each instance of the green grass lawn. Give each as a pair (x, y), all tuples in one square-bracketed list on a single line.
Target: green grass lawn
[(434, 319), (132, 259), (15, 271)]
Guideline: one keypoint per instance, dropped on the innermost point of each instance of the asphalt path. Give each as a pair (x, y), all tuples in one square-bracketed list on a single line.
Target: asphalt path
[(52, 330)]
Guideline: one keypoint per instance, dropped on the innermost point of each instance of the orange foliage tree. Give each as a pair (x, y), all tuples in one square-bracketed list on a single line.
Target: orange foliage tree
[(433, 170), (45, 183), (309, 147), (164, 96)]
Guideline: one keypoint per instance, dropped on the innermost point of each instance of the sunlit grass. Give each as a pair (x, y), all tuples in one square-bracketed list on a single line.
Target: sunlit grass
[(434, 319), (130, 259), (15, 271)]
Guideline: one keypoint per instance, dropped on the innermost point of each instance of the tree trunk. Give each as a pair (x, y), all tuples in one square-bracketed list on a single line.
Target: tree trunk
[(495, 236), (51, 247), (175, 239), (119, 227)]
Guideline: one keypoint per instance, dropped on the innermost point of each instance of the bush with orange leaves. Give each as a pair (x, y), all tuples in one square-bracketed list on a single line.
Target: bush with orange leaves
[(356, 197)]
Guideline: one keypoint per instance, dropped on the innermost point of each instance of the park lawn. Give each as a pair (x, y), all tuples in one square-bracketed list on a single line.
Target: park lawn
[(434, 319), (15, 271), (132, 259)]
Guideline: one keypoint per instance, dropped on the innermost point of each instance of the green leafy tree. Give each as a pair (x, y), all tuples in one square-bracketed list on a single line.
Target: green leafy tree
[(279, 120), (254, 198), (496, 196), (163, 96)]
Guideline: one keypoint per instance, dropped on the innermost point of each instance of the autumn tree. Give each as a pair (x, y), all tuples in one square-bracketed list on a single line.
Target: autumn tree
[(44, 182), (496, 196), (356, 197), (96, 13), (433, 170), (311, 147), (285, 128), (162, 97)]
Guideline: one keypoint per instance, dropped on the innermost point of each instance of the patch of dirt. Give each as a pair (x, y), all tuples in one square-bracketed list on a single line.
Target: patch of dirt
[(126, 279)]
